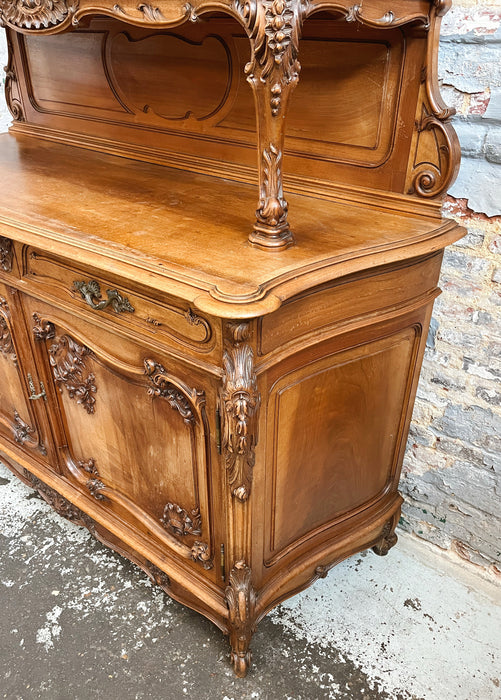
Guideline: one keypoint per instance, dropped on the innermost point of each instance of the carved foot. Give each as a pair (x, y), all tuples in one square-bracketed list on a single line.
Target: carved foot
[(241, 600), (387, 541)]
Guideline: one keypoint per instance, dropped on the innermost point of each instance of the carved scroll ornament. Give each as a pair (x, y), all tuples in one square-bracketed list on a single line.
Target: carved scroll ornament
[(164, 387), (67, 359), (36, 14), (240, 400), (43, 329)]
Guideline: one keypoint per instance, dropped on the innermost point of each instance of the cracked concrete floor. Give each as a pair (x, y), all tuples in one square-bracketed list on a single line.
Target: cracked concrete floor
[(80, 622)]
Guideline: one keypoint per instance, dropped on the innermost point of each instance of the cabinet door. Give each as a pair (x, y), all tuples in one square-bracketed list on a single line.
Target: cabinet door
[(131, 429), (18, 380)]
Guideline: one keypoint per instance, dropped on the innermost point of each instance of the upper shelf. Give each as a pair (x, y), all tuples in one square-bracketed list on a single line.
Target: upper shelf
[(51, 16), (186, 234)]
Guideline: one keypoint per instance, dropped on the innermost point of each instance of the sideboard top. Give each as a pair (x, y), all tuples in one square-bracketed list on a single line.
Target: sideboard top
[(50, 16), (186, 234)]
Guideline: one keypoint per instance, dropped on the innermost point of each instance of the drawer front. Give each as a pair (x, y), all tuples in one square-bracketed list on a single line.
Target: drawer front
[(167, 320), (348, 300)]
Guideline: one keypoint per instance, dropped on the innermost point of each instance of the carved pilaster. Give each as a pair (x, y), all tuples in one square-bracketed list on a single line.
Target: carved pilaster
[(274, 28), (6, 342), (241, 600), (67, 359), (240, 401), (6, 252)]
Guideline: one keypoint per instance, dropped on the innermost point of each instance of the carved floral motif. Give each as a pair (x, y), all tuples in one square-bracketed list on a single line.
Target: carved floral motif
[(96, 487), (241, 600), (163, 387), (240, 400), (180, 522), (200, 553), (67, 359), (6, 247), (36, 14)]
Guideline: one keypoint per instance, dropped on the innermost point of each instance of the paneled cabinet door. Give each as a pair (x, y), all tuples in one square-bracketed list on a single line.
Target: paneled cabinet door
[(131, 429), (19, 416)]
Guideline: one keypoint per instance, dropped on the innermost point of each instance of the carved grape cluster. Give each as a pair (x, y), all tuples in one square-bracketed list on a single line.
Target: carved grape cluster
[(279, 18)]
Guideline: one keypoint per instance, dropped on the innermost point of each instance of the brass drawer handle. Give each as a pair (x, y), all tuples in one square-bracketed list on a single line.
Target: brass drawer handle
[(91, 290)]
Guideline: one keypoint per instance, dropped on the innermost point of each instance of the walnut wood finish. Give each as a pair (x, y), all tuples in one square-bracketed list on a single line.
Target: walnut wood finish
[(228, 410)]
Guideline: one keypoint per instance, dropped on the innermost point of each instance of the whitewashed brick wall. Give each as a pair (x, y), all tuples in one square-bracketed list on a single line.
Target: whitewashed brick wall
[(452, 470)]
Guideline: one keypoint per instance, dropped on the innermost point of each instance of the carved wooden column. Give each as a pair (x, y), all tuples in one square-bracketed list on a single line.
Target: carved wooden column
[(240, 402), (274, 28)]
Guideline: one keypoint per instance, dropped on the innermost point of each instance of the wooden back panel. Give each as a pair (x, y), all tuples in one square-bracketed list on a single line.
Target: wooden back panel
[(180, 97)]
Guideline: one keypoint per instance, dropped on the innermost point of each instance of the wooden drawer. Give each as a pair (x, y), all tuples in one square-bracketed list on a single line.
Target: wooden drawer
[(348, 300), (89, 291)]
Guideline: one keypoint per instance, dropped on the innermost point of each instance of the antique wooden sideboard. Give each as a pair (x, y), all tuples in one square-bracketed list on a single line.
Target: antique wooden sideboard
[(221, 396)]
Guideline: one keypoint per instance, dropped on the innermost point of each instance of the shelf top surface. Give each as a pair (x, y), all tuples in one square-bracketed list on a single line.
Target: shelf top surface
[(185, 233)]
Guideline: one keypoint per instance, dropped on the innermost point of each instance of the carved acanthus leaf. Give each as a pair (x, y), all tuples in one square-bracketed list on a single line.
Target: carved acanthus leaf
[(240, 400), (67, 359), (6, 246), (36, 14), (241, 600), (96, 487), (88, 466), (180, 521), (165, 388), (272, 207)]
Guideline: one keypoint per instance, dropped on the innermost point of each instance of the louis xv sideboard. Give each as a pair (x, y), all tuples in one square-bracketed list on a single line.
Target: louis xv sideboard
[(223, 398)]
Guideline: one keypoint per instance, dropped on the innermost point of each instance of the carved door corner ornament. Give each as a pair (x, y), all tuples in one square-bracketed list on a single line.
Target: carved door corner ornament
[(240, 402), (241, 600), (67, 359), (180, 522), (43, 329), (37, 14), (200, 553), (6, 245), (22, 431), (164, 386)]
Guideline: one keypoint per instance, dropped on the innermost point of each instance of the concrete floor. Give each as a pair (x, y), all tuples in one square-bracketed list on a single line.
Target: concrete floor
[(79, 622)]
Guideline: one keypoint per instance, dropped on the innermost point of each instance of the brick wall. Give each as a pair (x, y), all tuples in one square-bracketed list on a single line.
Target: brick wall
[(452, 470), (451, 477)]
